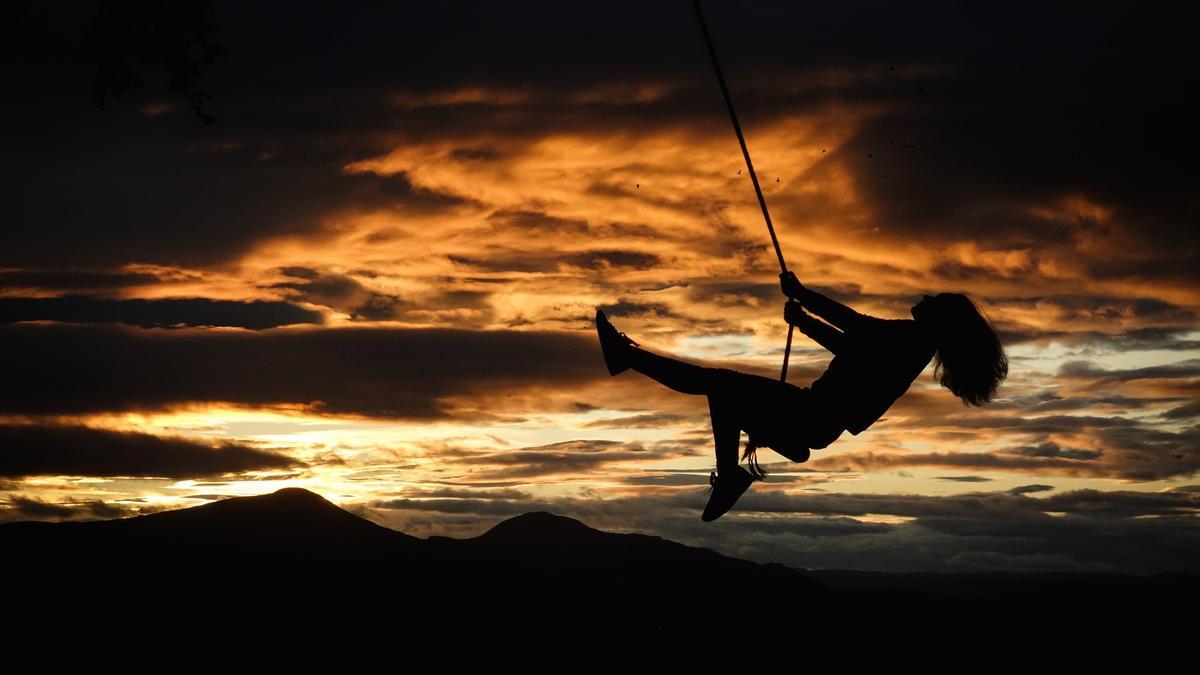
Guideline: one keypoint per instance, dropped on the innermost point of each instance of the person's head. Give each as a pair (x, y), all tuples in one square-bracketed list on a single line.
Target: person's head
[(970, 360)]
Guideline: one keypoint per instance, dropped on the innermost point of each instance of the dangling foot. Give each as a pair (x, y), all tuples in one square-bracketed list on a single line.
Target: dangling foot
[(727, 487), (614, 344)]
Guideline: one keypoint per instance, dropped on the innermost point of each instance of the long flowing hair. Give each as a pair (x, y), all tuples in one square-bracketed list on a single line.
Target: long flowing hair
[(970, 360)]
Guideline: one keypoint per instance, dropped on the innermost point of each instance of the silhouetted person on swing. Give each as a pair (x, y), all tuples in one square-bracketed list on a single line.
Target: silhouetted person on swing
[(875, 361)]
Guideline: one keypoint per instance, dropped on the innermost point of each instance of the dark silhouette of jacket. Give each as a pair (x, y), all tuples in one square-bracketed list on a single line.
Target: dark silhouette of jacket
[(875, 360)]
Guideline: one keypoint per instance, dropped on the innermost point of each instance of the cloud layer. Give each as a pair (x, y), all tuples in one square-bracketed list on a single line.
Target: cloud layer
[(380, 268), (43, 450)]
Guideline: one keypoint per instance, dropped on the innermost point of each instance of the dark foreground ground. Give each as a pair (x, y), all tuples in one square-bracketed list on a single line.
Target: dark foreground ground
[(292, 558)]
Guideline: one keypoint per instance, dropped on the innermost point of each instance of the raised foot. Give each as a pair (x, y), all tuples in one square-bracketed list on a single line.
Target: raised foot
[(614, 344)]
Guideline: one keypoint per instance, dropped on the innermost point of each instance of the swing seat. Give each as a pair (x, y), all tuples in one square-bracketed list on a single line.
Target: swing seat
[(788, 419), (796, 446), (790, 449)]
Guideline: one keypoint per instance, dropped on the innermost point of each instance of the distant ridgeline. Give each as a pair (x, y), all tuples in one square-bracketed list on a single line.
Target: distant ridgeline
[(292, 553)]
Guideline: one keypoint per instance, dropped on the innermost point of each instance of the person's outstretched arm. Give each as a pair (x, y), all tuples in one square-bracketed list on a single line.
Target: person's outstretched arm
[(831, 310), (827, 336)]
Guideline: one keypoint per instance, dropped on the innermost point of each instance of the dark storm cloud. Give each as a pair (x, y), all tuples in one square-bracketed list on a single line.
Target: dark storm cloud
[(734, 294), (172, 203), (1125, 449), (625, 307), (492, 507), (1183, 412), (670, 479), (644, 421), (976, 505), (602, 260), (1151, 454), (1030, 489), (341, 292), (1047, 402), (35, 509), (374, 372), (1001, 515), (957, 159), (1165, 325), (535, 223), (435, 306), (694, 478), (1173, 338), (102, 188), (346, 294), (568, 457), (120, 186), (1100, 307), (1043, 424), (75, 280), (1120, 530), (1052, 449), (502, 259), (999, 130), (19, 508), (470, 493), (166, 312), (31, 450), (986, 115), (1087, 370), (1123, 504), (970, 131)]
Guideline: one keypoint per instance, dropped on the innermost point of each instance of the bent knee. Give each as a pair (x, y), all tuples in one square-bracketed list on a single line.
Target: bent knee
[(799, 449)]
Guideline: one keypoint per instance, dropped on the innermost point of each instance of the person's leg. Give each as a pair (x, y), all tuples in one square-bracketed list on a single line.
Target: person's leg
[(727, 434), (683, 377), (729, 481)]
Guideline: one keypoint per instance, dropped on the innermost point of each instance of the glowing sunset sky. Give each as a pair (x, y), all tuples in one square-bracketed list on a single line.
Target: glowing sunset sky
[(374, 275)]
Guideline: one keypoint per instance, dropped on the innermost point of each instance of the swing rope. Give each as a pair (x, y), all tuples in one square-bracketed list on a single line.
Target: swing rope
[(737, 129), (751, 446)]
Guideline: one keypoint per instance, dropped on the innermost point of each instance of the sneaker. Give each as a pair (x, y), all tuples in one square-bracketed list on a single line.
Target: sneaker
[(614, 344), (727, 488)]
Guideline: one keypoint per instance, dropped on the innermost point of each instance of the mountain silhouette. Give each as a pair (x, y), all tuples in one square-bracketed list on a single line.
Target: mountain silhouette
[(293, 553), (289, 524), (537, 525)]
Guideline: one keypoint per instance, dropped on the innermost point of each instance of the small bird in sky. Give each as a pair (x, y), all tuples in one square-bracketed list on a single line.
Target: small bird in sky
[(739, 172), (776, 179), (637, 186)]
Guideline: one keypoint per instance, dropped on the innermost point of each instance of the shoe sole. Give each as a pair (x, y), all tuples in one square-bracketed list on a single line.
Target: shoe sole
[(706, 517), (611, 362)]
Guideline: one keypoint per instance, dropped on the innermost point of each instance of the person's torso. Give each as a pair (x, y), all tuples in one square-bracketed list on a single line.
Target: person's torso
[(877, 364)]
